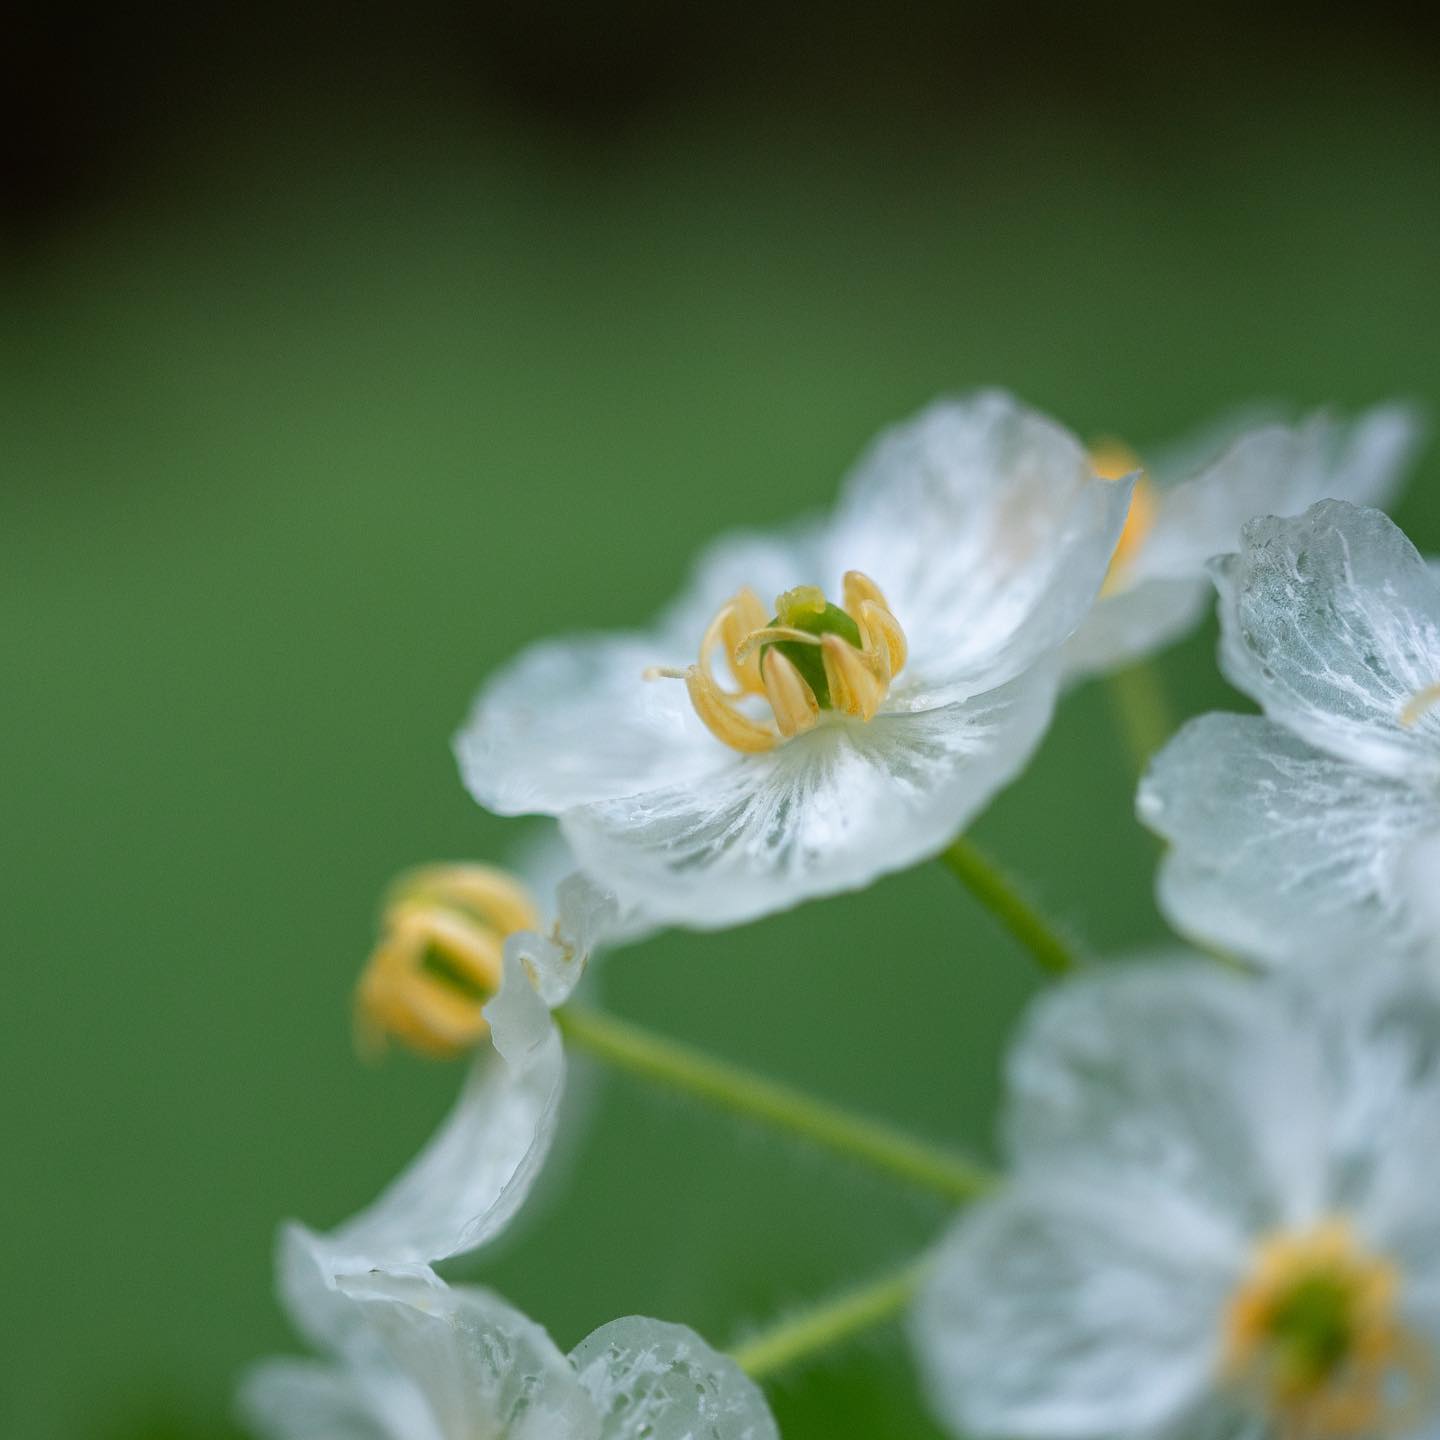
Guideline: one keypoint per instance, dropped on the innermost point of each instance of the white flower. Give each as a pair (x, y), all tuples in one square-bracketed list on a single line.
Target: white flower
[(415, 1359), (1221, 1220), (1313, 830), (1194, 499), (833, 745), (452, 967)]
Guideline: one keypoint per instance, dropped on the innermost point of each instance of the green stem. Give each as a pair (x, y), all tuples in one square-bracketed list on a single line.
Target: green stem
[(998, 894), (828, 1324), (1142, 709), (729, 1087)]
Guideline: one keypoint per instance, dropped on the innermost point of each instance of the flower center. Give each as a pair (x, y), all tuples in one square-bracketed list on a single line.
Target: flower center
[(438, 961), (1113, 460), (1314, 1334), (810, 657)]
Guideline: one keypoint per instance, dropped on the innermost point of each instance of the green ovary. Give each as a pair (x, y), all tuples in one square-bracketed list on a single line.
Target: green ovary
[(807, 609)]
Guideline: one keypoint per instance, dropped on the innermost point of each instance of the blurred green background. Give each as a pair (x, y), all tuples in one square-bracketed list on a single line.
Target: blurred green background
[(338, 367)]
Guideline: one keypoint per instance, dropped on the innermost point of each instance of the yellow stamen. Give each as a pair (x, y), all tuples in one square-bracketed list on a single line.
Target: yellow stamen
[(1313, 1333), (855, 688), (438, 961), (858, 677), (1419, 705), (1112, 459), (791, 699)]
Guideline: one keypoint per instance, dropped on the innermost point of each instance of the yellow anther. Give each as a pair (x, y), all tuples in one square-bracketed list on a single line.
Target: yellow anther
[(856, 688), (1112, 459), (720, 714), (864, 601), (1314, 1335), (857, 676), (791, 699), (439, 958), (1419, 705)]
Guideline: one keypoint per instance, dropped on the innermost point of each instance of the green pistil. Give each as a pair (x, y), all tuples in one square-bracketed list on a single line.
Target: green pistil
[(1312, 1330), (437, 963), (807, 609)]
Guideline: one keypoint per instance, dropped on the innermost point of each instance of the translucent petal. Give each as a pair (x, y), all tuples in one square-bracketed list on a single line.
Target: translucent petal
[(573, 721), (485, 1370), (1420, 880), (459, 1192), (1332, 622), (1177, 1076), (1089, 1316), (1135, 622), (830, 811), (314, 1400), (1281, 853), (1206, 490), (585, 915), (655, 1381), (1267, 1102), (1277, 470), (767, 563), (1165, 1119), (984, 526)]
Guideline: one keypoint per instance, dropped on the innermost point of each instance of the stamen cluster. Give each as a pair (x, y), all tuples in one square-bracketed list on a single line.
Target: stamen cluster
[(810, 658), (439, 957)]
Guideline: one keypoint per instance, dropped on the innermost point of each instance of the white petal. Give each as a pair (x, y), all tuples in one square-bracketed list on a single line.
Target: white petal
[(573, 721), (312, 1400), (1276, 470), (988, 532), (485, 1370), (1281, 853), (1181, 1077), (1332, 622), (1083, 1317), (769, 564), (828, 812), (655, 1381), (459, 1192), (1135, 622), (1420, 878)]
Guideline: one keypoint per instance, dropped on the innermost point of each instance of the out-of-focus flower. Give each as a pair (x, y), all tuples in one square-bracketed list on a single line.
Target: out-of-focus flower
[(1316, 829), (1221, 1220), (1193, 500), (414, 1359), (813, 746), (452, 967)]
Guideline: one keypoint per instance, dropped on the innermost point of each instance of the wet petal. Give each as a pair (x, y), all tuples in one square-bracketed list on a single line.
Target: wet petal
[(1281, 853), (314, 1400), (1332, 623), (1278, 470), (574, 721), (989, 534), (828, 812), (656, 1381), (1135, 622), (1088, 1317), (486, 1371)]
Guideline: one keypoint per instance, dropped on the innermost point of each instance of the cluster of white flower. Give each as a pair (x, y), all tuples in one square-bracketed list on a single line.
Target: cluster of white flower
[(1215, 1221)]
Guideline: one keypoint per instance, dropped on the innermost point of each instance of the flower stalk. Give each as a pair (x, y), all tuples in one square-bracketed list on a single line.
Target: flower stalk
[(831, 1323), (782, 1107), (1004, 900), (1142, 711)]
